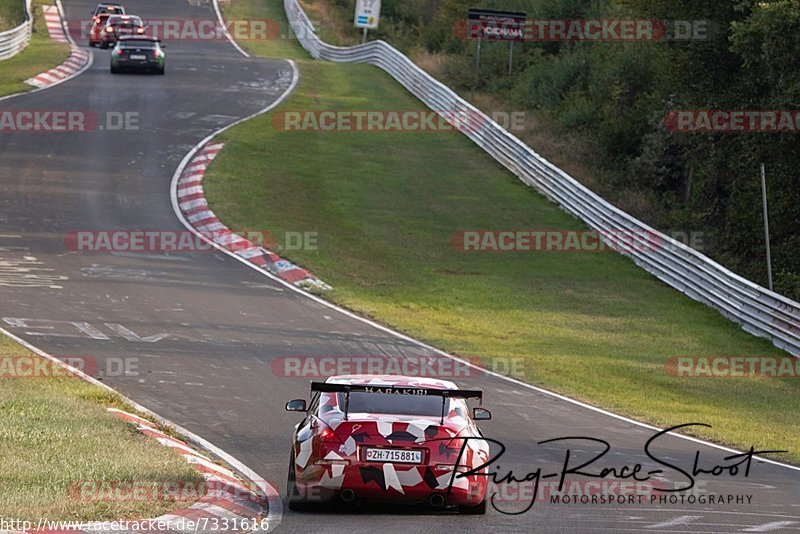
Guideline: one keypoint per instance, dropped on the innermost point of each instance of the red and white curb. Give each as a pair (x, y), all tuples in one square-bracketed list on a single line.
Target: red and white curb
[(228, 499), (78, 59), (229, 502), (53, 20), (194, 207)]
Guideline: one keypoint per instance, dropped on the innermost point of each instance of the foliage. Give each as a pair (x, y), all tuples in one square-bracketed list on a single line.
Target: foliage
[(615, 95)]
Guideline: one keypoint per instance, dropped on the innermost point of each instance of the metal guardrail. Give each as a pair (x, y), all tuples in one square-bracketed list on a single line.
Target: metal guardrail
[(758, 310), (14, 41)]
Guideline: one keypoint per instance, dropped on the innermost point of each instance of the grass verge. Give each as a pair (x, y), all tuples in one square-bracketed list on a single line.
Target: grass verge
[(12, 13), (56, 432), (41, 54), (589, 325)]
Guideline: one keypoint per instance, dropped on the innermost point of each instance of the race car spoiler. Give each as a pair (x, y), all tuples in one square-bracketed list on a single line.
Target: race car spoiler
[(326, 387)]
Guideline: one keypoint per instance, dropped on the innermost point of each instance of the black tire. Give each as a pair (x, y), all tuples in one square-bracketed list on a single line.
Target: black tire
[(161, 71), (92, 44), (103, 45), (479, 509), (296, 504), (114, 70)]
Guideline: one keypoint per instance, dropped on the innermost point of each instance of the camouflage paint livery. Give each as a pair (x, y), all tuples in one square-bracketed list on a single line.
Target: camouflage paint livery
[(330, 452)]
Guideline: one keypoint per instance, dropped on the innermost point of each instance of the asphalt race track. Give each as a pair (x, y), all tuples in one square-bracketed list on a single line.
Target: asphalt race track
[(204, 328)]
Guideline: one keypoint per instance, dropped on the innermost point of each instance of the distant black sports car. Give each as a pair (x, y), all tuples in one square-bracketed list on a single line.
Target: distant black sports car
[(138, 53)]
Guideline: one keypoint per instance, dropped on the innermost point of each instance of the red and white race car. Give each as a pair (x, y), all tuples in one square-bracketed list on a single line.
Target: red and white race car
[(389, 438)]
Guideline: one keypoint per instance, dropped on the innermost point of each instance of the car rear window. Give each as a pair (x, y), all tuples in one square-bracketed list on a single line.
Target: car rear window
[(127, 22), (387, 403), (137, 44)]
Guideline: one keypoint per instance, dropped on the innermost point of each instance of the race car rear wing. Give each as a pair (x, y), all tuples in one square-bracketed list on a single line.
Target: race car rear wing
[(326, 387)]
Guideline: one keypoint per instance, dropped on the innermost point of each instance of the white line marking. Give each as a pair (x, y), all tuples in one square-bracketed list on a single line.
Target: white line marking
[(227, 33)]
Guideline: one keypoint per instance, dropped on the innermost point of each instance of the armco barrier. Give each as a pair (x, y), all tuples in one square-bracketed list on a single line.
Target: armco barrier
[(14, 41), (760, 311)]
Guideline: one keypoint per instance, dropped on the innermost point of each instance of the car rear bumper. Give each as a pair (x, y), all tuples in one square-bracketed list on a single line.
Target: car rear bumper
[(149, 64), (373, 481)]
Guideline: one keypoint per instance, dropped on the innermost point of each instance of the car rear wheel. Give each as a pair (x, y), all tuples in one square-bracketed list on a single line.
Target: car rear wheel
[(473, 510), (114, 70), (160, 71), (296, 504)]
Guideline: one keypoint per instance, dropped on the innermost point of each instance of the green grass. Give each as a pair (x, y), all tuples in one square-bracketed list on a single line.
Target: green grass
[(592, 326), (280, 44), (55, 432), (40, 55), (12, 13)]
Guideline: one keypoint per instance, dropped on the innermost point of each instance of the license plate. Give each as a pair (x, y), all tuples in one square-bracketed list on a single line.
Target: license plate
[(139, 57), (402, 456)]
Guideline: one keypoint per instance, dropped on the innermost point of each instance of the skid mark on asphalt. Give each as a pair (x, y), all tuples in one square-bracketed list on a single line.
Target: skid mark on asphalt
[(770, 527), (272, 87), (218, 119), (676, 521), (111, 272)]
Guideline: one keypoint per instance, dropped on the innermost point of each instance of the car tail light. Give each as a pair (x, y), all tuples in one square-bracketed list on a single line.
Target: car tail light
[(109, 29), (118, 51), (327, 433)]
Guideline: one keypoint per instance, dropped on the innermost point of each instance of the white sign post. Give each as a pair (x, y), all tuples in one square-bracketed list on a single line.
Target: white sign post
[(367, 14)]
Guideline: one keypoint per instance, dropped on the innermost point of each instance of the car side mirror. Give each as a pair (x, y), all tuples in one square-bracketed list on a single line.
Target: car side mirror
[(162, 45), (481, 414), (296, 405)]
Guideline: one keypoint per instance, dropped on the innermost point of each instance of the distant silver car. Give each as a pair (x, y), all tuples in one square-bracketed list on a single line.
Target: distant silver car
[(109, 8)]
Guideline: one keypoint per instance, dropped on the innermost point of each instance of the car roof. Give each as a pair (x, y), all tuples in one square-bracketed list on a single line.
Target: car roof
[(392, 380)]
